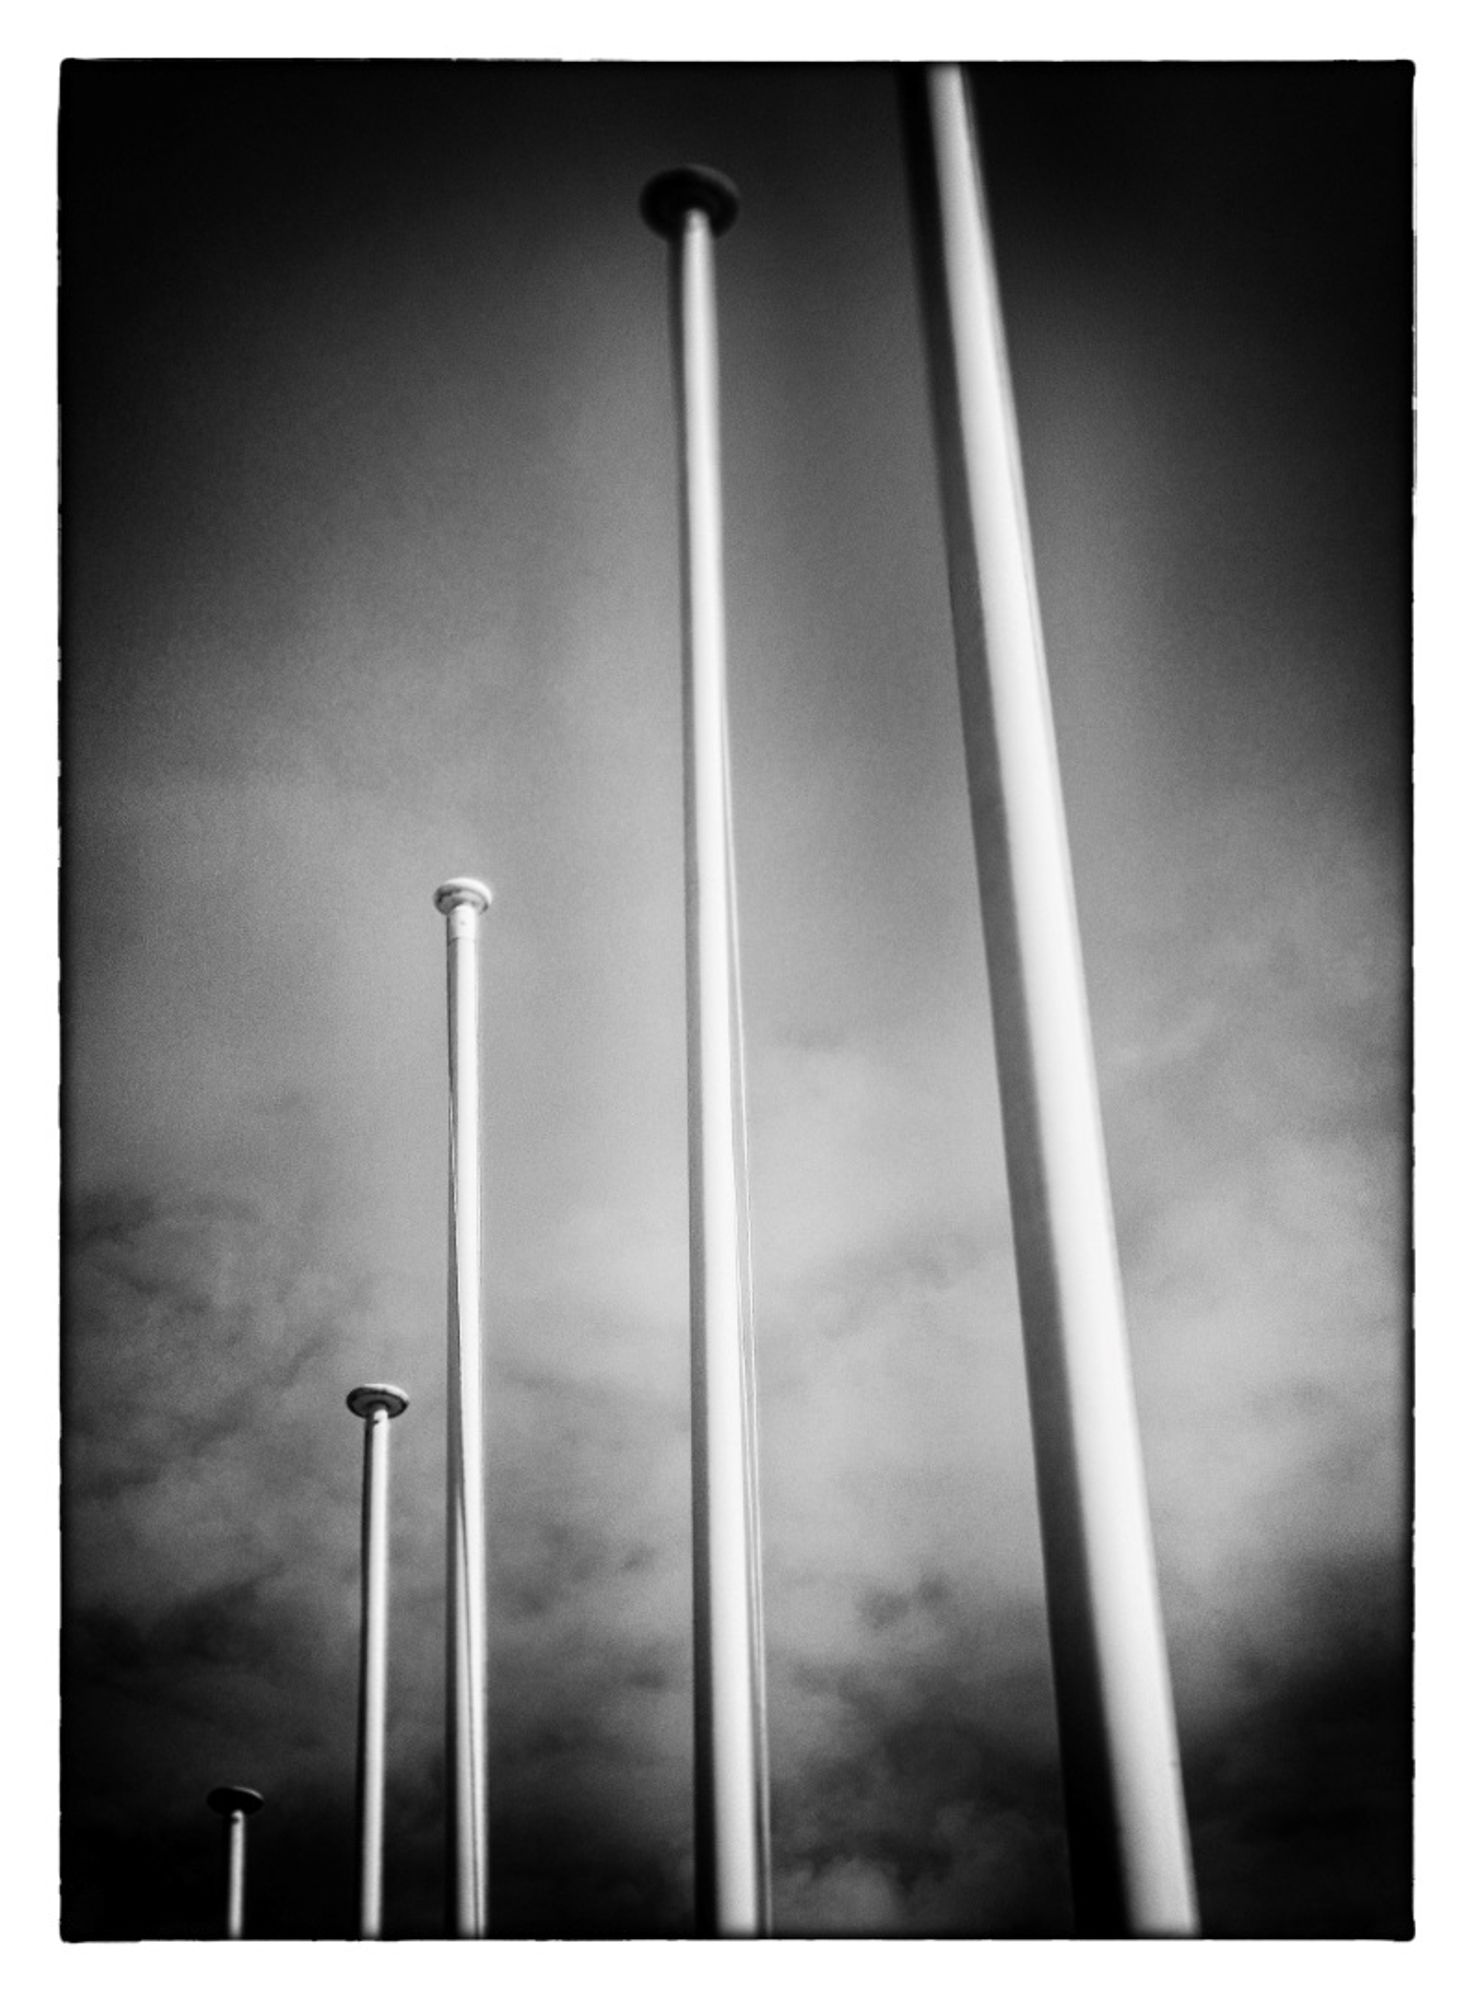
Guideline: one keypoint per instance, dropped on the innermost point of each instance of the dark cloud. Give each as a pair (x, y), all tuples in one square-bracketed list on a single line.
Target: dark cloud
[(882, 1608), (940, 1814), (1300, 1803)]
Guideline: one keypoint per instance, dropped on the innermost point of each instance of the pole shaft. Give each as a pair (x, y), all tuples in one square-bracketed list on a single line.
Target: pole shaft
[(1128, 1842), (467, 1683), (373, 1674), (235, 1875), (732, 1866)]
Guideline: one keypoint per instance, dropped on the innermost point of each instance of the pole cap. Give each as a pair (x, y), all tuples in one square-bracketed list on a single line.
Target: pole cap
[(227, 1799), (670, 196), (459, 890), (371, 1396)]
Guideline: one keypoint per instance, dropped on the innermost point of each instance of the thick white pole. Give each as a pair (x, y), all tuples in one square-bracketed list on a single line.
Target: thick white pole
[(234, 1804), (464, 902), (377, 1403), (1128, 1844), (690, 207)]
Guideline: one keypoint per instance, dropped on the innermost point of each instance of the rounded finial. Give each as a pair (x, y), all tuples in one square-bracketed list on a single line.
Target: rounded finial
[(371, 1396), (670, 196), (462, 889), (226, 1799)]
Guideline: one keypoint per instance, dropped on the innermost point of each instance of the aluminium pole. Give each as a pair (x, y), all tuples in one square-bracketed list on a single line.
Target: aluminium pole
[(691, 206), (463, 902), (1128, 1843), (234, 1804), (377, 1403)]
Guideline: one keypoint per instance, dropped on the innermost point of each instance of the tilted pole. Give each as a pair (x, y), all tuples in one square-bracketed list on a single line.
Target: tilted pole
[(691, 207), (377, 1403), (1128, 1845), (463, 902), (234, 1804)]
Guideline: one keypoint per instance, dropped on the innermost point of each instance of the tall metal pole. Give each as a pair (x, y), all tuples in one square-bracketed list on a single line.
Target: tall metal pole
[(691, 206), (463, 902), (377, 1403), (1128, 1843), (234, 1804)]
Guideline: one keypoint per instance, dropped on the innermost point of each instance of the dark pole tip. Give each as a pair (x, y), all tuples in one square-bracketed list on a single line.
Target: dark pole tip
[(462, 889), (233, 1799), (378, 1396), (669, 198)]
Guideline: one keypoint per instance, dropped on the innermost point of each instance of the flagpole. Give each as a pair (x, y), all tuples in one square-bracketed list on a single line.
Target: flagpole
[(690, 207), (377, 1403), (463, 902), (234, 1804), (1128, 1845)]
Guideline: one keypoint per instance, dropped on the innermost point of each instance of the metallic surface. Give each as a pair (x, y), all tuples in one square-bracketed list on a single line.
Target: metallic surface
[(377, 1403), (732, 1865), (1128, 1843), (234, 1803), (463, 902)]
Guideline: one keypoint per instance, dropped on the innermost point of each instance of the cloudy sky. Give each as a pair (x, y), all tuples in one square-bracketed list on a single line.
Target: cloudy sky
[(370, 578)]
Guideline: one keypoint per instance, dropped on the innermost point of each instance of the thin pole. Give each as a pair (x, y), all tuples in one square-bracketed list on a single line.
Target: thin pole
[(377, 1403), (463, 902), (234, 1804), (691, 207), (1128, 1845)]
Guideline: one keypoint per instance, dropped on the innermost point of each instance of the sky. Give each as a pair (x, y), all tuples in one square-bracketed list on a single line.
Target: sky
[(370, 578)]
